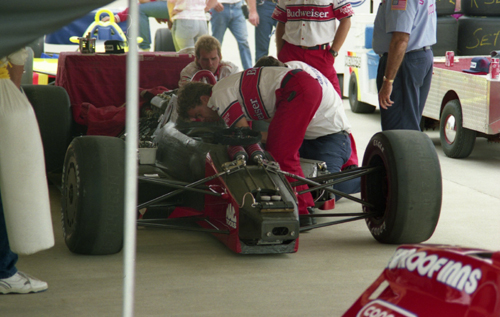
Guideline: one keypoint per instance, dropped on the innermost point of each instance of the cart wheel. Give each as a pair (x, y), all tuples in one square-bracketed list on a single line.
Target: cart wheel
[(164, 41), (53, 113), (406, 191), (92, 200), (356, 105), (457, 141)]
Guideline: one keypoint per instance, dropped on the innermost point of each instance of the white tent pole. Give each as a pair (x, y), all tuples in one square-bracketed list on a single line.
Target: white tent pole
[(131, 145)]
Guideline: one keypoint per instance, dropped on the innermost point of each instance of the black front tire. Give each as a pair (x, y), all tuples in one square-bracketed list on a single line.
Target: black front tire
[(406, 191), (356, 105), (457, 141), (92, 202)]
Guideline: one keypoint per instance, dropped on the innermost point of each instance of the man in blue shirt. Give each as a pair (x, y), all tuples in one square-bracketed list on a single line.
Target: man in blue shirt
[(403, 33)]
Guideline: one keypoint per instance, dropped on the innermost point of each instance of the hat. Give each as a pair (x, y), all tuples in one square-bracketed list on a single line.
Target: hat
[(479, 65)]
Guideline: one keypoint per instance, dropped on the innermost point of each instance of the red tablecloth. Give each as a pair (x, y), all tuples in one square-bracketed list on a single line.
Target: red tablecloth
[(100, 79)]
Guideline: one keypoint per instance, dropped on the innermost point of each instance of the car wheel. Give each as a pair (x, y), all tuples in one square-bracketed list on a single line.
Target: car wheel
[(356, 105), (164, 41), (457, 141), (406, 191), (53, 113), (92, 200)]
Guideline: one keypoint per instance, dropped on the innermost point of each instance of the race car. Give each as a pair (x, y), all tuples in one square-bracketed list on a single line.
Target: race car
[(434, 281), (226, 184)]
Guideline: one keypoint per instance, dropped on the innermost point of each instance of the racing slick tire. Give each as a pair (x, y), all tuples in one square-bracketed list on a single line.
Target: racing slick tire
[(92, 200), (477, 36), (480, 8), (446, 36), (406, 191), (164, 41), (356, 105), (445, 7), (457, 141), (53, 113)]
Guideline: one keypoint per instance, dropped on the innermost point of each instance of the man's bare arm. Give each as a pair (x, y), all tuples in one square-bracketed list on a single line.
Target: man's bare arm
[(397, 50)]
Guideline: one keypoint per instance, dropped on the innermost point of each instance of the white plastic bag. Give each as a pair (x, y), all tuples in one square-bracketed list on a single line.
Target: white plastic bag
[(23, 182)]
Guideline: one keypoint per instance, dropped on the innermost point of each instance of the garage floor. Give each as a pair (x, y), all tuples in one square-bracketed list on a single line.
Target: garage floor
[(193, 274)]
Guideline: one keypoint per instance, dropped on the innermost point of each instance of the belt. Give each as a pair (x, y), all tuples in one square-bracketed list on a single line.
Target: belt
[(317, 47), (261, 2), (425, 48), (342, 132), (288, 76)]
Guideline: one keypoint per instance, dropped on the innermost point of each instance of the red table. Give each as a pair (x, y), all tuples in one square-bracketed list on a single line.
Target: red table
[(100, 79)]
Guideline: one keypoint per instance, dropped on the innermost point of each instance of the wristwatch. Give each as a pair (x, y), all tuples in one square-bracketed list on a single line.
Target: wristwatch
[(334, 53)]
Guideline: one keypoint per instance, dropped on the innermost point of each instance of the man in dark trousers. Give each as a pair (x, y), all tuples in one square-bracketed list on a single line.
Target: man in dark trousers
[(403, 34)]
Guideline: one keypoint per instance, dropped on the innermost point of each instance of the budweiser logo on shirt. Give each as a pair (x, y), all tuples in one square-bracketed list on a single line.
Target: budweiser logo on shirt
[(309, 13)]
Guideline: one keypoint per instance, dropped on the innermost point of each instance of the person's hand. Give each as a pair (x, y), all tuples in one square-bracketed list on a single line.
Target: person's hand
[(253, 18), (219, 7), (174, 12), (105, 19), (384, 95)]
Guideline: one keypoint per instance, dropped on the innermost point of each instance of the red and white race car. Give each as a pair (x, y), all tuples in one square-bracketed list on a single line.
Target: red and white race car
[(434, 281)]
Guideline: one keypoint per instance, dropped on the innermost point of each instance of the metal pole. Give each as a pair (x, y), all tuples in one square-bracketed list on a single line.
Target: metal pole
[(131, 142)]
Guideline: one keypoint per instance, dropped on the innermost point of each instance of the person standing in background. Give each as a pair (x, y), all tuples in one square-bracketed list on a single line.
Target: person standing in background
[(264, 27), (228, 14), (306, 32), (12, 103), (189, 21), (403, 34)]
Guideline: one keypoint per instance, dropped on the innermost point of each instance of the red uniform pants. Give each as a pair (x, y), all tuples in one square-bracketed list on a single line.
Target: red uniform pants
[(296, 103), (323, 61)]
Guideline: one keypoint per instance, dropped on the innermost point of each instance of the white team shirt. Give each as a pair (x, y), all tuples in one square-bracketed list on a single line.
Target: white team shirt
[(256, 99), (330, 117), (311, 22)]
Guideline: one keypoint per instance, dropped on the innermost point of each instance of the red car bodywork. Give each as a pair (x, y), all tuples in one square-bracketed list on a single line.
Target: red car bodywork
[(434, 281)]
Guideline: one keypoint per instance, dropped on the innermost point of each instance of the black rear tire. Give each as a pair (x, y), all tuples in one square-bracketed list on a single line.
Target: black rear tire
[(457, 141), (406, 192), (53, 113), (356, 105), (164, 41), (92, 202)]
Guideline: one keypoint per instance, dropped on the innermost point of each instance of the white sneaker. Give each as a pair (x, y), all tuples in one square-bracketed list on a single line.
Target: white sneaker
[(21, 283)]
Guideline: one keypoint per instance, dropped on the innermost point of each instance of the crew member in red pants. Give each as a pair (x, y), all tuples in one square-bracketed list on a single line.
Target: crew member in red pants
[(275, 94)]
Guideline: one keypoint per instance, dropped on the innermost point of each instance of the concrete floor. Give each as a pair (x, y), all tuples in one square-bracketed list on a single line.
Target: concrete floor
[(193, 274)]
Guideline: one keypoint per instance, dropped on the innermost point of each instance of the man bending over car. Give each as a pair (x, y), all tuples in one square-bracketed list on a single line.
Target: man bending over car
[(292, 101)]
